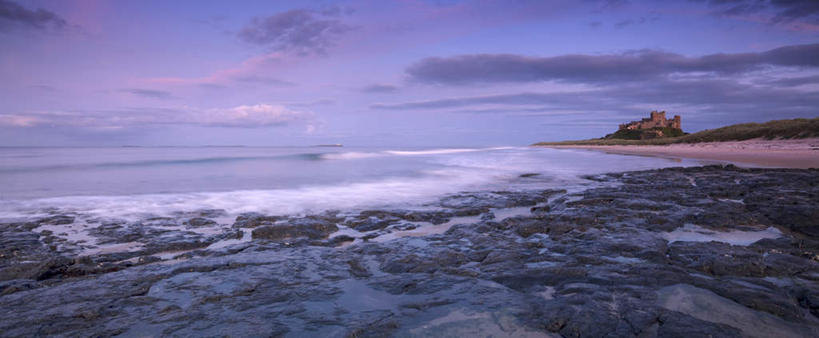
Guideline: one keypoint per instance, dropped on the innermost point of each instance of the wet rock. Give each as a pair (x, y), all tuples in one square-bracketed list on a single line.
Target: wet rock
[(305, 227), (410, 263), (500, 199), (22, 255), (370, 236), (371, 223), (404, 226), (384, 326), (593, 263), (252, 220), (674, 324), (200, 222), (52, 267), (487, 216), (357, 269), (434, 217), (808, 299), (757, 294), (527, 226), (57, 220), (717, 258), (336, 241), (541, 210), (501, 256), (370, 220), (17, 285), (799, 215), (470, 211), (176, 243)]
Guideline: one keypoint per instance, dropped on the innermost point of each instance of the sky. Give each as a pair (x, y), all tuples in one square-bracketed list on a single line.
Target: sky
[(395, 73)]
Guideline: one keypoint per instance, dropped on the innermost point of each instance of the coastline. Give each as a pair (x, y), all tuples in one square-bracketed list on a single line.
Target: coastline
[(534, 263), (798, 153)]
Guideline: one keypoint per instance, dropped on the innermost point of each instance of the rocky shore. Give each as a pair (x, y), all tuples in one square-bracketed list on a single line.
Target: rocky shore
[(695, 252)]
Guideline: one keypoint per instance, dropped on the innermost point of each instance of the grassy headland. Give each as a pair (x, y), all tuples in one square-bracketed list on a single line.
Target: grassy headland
[(777, 129)]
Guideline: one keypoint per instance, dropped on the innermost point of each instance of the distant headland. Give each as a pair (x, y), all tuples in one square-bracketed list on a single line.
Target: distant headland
[(656, 126), (780, 143), (657, 130)]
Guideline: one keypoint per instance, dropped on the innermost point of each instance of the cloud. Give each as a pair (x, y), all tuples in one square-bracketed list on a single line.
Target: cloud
[(379, 88), (15, 120), (630, 66), (796, 81), (251, 72), (298, 31), (149, 93), (260, 115), (45, 88), (637, 21), (715, 96), (263, 80), (13, 14), (244, 116), (505, 99), (725, 96), (605, 5), (781, 11)]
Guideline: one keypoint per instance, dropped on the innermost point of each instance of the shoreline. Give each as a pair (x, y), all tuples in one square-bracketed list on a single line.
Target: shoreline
[(798, 154), (538, 263)]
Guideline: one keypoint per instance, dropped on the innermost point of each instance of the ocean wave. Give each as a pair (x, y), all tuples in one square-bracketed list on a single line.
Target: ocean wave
[(309, 156), (440, 151), (312, 182), (151, 163), (431, 151), (349, 155), (383, 192)]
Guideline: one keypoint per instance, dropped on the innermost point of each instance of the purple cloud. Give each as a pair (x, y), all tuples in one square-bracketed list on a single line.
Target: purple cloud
[(149, 93), (783, 10), (379, 88), (264, 80), (244, 116), (12, 14), (708, 95), (298, 31), (631, 66)]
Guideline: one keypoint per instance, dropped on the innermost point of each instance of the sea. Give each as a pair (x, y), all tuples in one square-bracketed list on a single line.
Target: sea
[(136, 182)]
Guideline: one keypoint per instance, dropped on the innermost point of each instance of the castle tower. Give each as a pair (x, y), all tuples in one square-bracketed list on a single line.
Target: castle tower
[(657, 116), (657, 119)]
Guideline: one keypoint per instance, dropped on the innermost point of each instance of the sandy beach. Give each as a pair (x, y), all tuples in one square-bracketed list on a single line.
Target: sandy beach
[(802, 153)]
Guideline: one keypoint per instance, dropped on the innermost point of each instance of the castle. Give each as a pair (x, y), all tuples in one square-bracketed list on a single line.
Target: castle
[(657, 120)]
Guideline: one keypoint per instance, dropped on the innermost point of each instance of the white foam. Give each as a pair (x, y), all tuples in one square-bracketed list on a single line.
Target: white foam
[(451, 170), (426, 228), (377, 193), (349, 156), (431, 151), (112, 248), (443, 151), (694, 233)]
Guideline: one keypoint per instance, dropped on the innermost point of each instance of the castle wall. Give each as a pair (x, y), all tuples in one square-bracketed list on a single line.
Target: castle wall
[(656, 119)]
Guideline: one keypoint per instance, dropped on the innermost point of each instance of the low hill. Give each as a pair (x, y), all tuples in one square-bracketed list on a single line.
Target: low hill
[(645, 134), (777, 129)]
